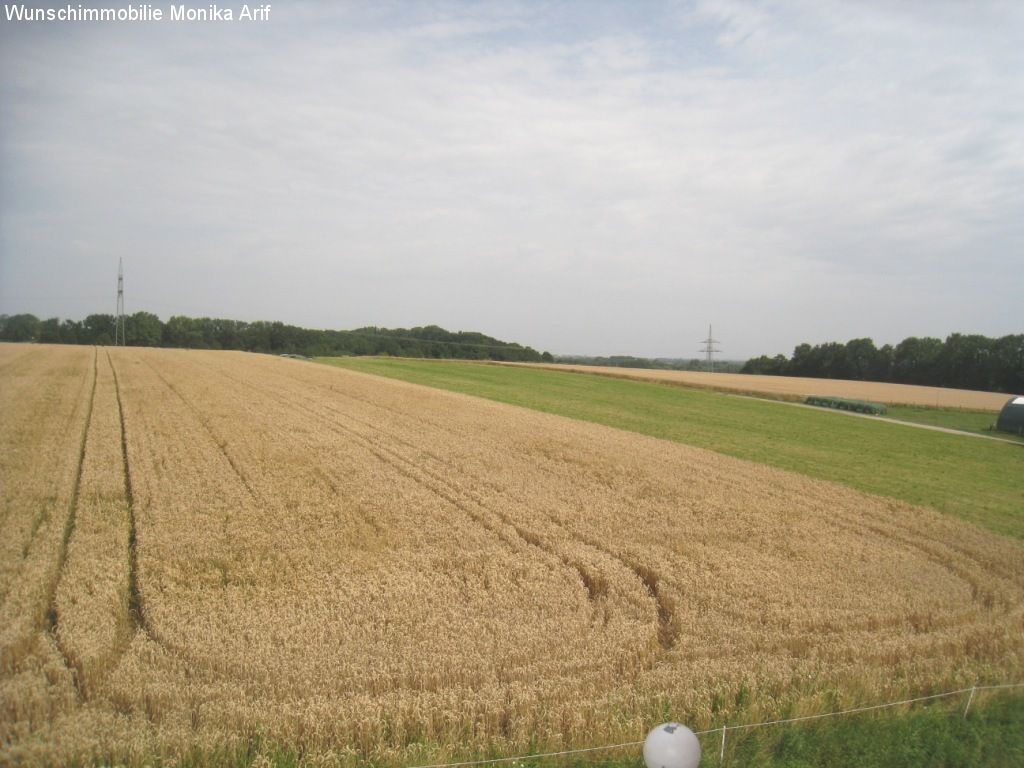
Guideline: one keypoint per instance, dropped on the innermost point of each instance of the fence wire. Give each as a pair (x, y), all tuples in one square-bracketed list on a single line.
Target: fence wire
[(726, 728)]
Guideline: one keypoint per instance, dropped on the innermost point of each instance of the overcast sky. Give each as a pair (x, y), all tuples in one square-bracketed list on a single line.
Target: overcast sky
[(592, 178)]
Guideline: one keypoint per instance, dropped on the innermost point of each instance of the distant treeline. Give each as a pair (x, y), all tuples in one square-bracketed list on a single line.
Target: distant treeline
[(658, 363), (144, 329), (962, 361)]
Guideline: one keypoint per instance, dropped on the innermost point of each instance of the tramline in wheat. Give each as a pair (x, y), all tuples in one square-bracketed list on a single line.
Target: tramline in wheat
[(199, 547)]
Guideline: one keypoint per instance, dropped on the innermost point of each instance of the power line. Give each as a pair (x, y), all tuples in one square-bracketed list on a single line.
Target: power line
[(709, 349), (119, 317)]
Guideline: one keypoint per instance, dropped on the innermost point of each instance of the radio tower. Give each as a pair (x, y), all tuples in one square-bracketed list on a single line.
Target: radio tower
[(709, 350), (119, 317)]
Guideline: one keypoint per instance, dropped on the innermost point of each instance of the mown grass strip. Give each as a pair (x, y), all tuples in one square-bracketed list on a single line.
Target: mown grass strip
[(977, 480)]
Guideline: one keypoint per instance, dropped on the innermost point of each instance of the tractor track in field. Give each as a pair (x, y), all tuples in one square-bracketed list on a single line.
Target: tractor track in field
[(136, 604), (594, 584), (387, 456), (475, 497), (52, 615), (136, 609), (42, 511), (529, 574), (466, 502), (391, 458), (214, 437), (649, 578), (397, 462)]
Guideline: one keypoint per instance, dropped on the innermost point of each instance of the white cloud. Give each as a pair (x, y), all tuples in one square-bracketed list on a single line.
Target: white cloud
[(594, 179)]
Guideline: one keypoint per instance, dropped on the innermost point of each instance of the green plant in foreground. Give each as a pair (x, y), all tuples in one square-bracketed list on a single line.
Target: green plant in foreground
[(991, 736)]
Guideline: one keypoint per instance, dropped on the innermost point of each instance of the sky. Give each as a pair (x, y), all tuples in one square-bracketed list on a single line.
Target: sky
[(583, 177)]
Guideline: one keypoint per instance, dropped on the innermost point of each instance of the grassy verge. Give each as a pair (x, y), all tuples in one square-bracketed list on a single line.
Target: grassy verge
[(991, 736), (977, 480)]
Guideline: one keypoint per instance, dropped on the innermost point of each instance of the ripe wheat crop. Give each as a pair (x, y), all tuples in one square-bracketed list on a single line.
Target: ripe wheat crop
[(234, 545)]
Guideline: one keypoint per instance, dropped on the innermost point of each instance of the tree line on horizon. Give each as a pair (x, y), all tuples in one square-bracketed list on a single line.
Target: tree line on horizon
[(144, 329), (651, 363), (962, 361)]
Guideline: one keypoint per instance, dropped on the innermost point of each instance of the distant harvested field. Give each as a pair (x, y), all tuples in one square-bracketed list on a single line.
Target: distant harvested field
[(794, 387), (206, 549)]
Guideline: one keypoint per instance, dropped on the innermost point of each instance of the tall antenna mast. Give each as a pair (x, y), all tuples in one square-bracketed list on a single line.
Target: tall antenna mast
[(119, 317), (709, 350)]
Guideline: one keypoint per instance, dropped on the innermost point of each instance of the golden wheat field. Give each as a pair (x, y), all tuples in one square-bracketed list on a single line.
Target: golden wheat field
[(200, 547), (796, 387)]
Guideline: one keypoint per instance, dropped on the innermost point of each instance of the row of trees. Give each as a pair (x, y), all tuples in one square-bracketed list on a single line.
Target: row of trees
[(963, 361), (655, 363), (144, 329)]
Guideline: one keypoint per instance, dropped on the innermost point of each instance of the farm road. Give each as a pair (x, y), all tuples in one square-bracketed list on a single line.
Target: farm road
[(931, 427)]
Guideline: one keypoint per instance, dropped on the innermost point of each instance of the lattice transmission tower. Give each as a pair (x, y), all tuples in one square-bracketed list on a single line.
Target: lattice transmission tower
[(709, 349), (119, 317)]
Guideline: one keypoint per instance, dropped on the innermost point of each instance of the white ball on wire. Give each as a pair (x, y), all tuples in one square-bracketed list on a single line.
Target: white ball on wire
[(671, 745)]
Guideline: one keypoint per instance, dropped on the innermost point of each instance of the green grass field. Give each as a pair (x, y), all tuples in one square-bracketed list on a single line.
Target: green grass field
[(933, 736), (978, 422), (977, 480)]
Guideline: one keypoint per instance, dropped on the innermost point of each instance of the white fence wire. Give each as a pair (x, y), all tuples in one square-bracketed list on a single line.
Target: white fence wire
[(725, 728)]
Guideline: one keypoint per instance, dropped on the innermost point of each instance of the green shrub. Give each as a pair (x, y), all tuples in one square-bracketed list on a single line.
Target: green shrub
[(842, 404)]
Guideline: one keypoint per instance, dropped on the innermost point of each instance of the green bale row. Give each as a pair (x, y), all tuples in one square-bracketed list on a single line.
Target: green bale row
[(842, 404)]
